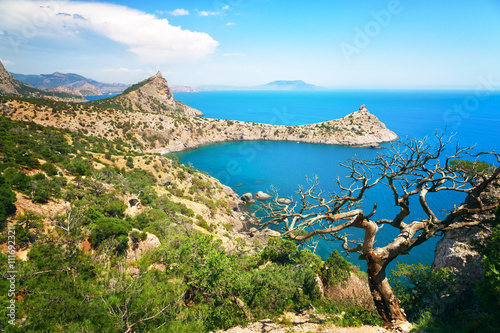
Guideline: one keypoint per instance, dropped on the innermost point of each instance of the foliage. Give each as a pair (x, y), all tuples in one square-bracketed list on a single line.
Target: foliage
[(488, 289), (110, 227), (279, 251), (472, 169), (335, 270), (420, 288), (7, 199), (25, 228), (172, 208), (145, 218), (64, 287)]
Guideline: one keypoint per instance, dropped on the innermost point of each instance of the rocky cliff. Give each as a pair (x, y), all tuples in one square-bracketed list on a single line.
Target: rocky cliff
[(457, 250)]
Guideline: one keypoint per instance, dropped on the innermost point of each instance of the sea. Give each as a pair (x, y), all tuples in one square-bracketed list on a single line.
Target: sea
[(470, 117)]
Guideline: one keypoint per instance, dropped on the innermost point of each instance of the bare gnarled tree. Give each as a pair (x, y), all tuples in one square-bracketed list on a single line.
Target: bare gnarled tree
[(412, 169)]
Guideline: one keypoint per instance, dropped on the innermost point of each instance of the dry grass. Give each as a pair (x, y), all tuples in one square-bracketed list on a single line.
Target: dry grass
[(354, 292)]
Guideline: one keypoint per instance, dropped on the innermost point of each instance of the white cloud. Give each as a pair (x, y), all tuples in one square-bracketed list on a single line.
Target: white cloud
[(207, 13), (230, 24), (6, 62), (226, 7), (234, 54), (150, 38), (179, 12)]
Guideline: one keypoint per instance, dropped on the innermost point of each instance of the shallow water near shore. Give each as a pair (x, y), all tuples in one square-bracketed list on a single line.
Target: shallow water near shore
[(254, 166)]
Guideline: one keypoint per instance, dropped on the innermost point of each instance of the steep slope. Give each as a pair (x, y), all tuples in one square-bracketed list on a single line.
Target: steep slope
[(152, 95), (10, 86)]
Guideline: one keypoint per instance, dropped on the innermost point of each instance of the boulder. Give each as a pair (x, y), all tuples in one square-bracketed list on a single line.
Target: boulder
[(262, 196), (272, 233), (284, 201), (135, 251), (247, 197)]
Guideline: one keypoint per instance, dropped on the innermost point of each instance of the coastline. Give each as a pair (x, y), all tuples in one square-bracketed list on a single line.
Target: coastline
[(359, 129), (163, 134)]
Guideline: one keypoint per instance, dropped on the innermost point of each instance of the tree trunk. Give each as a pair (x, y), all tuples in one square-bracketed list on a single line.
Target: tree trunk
[(386, 302)]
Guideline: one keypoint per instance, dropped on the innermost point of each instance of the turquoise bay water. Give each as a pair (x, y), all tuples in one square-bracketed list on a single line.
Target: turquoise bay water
[(254, 166)]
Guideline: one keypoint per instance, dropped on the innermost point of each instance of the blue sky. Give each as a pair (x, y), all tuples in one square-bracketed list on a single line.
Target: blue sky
[(338, 44)]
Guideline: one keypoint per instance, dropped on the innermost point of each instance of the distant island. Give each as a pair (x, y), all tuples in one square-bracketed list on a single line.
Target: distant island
[(275, 85)]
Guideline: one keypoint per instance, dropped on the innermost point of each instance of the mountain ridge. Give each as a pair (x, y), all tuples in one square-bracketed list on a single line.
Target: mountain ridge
[(10, 86), (69, 80)]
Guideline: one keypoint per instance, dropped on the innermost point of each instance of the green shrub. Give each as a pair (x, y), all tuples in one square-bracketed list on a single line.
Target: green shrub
[(279, 251), (200, 221), (335, 270), (172, 208), (50, 169), (108, 227), (7, 200), (145, 218), (129, 163), (115, 208), (418, 287), (488, 289), (79, 167), (25, 223)]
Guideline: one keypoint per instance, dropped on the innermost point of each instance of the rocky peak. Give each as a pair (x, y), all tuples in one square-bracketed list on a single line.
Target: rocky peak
[(8, 84), (362, 110), (156, 89), (158, 75)]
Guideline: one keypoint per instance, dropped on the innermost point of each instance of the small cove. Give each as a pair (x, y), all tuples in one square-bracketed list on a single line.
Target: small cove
[(256, 165)]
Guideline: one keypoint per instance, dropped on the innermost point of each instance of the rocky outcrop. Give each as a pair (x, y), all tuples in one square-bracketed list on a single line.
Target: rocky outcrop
[(457, 249), (360, 128), (154, 95), (137, 249), (247, 198), (285, 201), (262, 196)]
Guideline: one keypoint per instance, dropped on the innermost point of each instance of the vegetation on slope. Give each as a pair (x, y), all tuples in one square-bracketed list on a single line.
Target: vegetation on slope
[(77, 276)]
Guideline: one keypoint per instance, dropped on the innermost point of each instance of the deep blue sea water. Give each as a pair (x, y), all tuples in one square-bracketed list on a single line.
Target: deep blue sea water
[(473, 116)]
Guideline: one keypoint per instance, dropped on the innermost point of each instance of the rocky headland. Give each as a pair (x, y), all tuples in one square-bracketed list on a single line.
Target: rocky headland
[(148, 115)]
